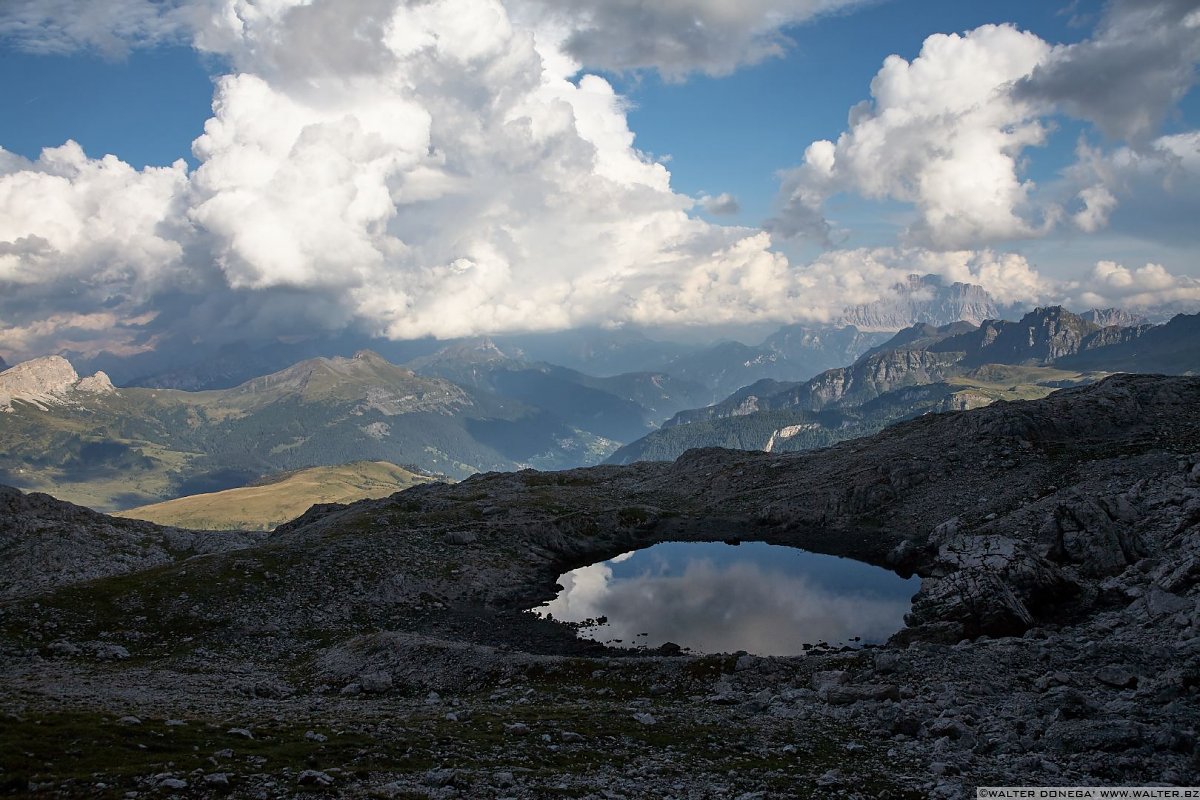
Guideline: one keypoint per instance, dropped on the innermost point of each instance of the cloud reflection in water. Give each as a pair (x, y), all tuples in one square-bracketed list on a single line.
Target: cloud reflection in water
[(763, 599)]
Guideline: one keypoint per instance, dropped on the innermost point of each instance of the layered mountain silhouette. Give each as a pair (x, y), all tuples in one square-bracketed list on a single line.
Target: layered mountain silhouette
[(486, 404), (137, 445), (927, 368)]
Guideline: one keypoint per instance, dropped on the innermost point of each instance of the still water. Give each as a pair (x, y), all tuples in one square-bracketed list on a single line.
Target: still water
[(713, 597)]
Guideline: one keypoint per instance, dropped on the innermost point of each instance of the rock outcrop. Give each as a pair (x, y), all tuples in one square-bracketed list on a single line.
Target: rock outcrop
[(47, 381)]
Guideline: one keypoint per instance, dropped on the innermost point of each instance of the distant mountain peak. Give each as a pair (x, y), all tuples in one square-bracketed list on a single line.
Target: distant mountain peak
[(923, 299), (47, 381), (1113, 317)]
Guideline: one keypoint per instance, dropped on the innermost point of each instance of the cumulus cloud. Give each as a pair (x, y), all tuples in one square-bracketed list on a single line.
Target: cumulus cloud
[(942, 132), (1150, 191), (676, 37), (462, 178), (723, 204), (1098, 203), (111, 27), (1130, 74), (1149, 287), (948, 131), (405, 170)]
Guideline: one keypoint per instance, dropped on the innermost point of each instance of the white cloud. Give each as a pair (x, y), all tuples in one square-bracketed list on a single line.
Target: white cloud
[(1130, 74), (111, 27), (942, 132), (1150, 191), (948, 132), (98, 223), (675, 37), (1149, 287), (1098, 203), (724, 204), (405, 170)]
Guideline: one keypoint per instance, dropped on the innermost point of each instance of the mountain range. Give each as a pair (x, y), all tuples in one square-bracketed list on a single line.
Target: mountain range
[(120, 448), (922, 369), (794, 352), (485, 404)]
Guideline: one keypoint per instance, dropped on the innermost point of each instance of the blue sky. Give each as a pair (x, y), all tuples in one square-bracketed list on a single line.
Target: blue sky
[(408, 173)]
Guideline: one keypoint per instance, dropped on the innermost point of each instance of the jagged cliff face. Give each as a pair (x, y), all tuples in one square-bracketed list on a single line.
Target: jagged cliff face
[(869, 378), (47, 381), (1110, 317), (923, 298)]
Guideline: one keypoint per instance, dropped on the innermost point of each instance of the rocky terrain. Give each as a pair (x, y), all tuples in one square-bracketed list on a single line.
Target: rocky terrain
[(382, 649), (47, 381)]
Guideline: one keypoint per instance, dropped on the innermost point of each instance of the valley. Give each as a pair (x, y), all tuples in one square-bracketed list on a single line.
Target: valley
[(474, 406)]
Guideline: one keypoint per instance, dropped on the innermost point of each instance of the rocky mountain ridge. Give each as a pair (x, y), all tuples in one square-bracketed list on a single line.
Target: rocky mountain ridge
[(1046, 349)]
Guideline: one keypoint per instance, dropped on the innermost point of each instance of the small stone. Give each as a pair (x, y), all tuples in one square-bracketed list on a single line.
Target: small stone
[(831, 777), (375, 682), (312, 777), (172, 783), (645, 719), (64, 649), (313, 736), (1117, 676), (432, 699), (111, 652), (216, 780), (571, 737), (517, 729), (440, 777), (242, 732), (745, 662), (829, 679), (460, 538), (887, 662), (129, 720)]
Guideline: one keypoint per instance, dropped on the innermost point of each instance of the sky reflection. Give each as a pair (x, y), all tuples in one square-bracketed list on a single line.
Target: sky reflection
[(714, 597)]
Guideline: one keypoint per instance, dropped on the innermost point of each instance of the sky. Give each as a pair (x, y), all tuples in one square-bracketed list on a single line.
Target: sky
[(175, 172)]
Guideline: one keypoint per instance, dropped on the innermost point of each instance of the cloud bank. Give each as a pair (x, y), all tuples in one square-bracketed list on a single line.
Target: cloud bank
[(949, 132), (448, 167)]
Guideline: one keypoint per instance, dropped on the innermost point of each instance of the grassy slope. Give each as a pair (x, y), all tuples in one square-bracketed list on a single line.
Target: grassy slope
[(262, 507)]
